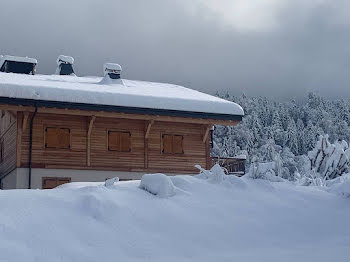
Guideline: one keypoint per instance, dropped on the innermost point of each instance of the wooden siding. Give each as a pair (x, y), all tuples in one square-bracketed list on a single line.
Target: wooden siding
[(193, 147), (145, 154), (8, 133), (41, 156)]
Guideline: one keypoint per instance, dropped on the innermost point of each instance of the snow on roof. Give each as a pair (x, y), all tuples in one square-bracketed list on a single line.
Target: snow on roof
[(17, 59), (65, 59), (90, 90), (243, 157)]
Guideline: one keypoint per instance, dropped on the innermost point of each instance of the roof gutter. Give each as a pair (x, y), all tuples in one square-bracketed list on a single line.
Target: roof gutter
[(118, 109), (30, 148)]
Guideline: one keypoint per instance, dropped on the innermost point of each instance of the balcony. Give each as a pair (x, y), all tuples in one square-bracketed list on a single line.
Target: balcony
[(232, 165)]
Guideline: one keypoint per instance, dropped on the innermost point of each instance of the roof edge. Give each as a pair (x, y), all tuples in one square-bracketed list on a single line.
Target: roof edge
[(118, 109)]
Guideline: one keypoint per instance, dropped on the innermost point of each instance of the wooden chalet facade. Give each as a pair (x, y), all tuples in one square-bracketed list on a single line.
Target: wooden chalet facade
[(46, 143)]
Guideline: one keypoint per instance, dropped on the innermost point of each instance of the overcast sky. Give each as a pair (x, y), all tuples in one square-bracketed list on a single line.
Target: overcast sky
[(277, 48)]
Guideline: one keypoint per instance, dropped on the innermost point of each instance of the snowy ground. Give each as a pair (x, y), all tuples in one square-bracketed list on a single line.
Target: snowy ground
[(233, 220)]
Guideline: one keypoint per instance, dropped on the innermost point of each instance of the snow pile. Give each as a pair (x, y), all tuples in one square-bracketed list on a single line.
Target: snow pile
[(111, 181), (223, 221), (158, 184), (342, 189)]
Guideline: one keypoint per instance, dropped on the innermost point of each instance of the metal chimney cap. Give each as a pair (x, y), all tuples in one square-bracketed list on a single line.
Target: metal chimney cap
[(111, 68), (62, 59)]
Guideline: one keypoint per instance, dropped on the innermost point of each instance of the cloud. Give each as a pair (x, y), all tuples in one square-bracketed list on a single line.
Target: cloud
[(278, 48)]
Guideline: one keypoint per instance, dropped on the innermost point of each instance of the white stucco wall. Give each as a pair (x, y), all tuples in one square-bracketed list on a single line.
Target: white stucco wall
[(19, 177)]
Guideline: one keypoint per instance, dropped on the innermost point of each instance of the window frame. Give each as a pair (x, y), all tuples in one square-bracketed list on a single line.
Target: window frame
[(46, 147), (172, 153), (119, 131)]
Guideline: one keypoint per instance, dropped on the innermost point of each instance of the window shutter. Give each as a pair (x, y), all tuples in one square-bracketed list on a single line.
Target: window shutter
[(125, 142), (51, 134), (49, 183), (57, 138), (113, 141), (119, 141), (63, 138), (167, 144), (178, 144)]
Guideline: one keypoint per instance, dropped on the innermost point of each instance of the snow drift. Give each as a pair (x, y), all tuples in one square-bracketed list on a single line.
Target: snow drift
[(158, 184), (229, 219)]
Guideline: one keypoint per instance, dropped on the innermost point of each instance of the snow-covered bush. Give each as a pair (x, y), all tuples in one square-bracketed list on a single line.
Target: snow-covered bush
[(265, 171), (217, 175), (158, 184), (329, 160)]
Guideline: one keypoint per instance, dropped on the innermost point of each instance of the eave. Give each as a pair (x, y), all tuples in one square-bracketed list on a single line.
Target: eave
[(18, 104)]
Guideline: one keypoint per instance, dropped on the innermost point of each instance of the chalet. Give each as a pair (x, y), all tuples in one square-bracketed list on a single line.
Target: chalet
[(60, 128)]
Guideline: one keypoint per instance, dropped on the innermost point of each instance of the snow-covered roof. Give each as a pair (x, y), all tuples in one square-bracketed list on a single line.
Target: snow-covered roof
[(124, 93), (17, 59)]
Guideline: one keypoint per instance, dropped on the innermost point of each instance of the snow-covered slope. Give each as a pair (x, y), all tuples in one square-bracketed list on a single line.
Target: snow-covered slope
[(92, 90), (233, 220)]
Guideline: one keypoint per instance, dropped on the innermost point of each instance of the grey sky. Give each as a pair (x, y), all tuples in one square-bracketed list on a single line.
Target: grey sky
[(277, 48)]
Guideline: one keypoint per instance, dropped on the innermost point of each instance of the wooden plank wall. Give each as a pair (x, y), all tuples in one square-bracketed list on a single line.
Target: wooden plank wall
[(8, 131), (145, 154), (43, 157), (194, 148)]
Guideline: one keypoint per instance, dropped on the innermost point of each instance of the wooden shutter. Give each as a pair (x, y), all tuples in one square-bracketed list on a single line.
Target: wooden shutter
[(167, 144), (57, 137), (119, 141), (125, 142), (63, 137), (49, 183), (52, 182), (178, 144), (63, 180), (51, 134), (172, 144), (113, 141)]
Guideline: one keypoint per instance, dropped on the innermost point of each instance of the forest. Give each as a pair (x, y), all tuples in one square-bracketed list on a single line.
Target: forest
[(307, 139)]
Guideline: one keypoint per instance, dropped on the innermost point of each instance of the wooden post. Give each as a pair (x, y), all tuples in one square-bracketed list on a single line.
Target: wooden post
[(209, 162), (19, 139), (25, 120), (206, 140), (148, 125), (205, 136), (88, 160)]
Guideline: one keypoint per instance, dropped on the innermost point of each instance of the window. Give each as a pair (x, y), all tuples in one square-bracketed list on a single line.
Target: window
[(1, 151), (172, 144), (119, 141), (57, 138), (52, 182)]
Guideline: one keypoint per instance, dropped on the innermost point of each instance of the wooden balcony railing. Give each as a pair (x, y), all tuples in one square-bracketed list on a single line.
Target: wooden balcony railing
[(232, 165)]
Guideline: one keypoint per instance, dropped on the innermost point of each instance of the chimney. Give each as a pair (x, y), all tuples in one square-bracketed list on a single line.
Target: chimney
[(112, 71), (17, 64), (65, 65)]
